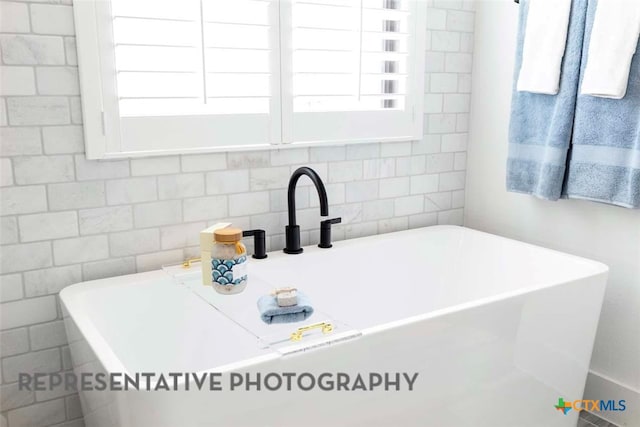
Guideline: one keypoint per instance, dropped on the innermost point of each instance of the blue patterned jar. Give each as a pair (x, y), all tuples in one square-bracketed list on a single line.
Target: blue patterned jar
[(228, 261)]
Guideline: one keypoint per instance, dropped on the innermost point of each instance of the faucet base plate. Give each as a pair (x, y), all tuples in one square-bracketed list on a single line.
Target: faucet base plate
[(292, 251)]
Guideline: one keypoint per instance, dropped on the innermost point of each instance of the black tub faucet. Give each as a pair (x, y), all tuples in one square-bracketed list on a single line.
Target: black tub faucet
[(259, 242), (325, 232), (292, 231)]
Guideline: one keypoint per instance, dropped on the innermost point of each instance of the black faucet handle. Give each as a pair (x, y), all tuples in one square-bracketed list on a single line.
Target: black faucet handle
[(325, 232), (259, 242), (328, 222)]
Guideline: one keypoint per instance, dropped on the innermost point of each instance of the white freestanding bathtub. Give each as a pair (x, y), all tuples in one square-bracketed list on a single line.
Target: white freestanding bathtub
[(497, 330)]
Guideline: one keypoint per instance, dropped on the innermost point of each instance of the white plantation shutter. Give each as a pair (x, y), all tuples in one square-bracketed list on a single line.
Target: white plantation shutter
[(173, 76), (355, 69), (191, 57), (190, 74)]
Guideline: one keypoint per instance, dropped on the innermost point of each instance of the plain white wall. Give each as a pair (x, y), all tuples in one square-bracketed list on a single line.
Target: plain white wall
[(605, 233)]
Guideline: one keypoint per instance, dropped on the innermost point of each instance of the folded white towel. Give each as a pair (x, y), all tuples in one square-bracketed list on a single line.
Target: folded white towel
[(545, 38), (616, 28)]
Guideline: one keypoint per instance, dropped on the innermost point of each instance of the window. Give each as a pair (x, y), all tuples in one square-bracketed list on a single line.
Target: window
[(169, 76)]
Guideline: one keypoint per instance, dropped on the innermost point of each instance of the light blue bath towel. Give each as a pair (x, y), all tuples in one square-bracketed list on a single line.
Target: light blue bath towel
[(540, 128), (270, 312), (605, 156)]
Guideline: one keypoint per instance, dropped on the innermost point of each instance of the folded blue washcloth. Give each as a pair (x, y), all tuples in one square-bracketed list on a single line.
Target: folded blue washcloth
[(605, 155), (540, 128), (270, 312)]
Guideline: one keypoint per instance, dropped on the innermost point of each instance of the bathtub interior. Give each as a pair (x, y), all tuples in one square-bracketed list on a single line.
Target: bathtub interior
[(381, 279), (156, 325)]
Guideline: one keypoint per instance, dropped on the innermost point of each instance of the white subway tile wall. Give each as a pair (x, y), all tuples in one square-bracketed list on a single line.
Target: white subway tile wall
[(65, 219)]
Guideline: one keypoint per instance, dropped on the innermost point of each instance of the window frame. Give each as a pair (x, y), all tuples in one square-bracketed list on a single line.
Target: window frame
[(280, 128)]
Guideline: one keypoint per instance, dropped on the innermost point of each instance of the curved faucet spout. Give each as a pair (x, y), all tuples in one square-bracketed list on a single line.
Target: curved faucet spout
[(291, 194), (292, 231)]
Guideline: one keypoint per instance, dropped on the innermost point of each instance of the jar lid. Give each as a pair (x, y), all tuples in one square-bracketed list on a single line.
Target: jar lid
[(227, 235)]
